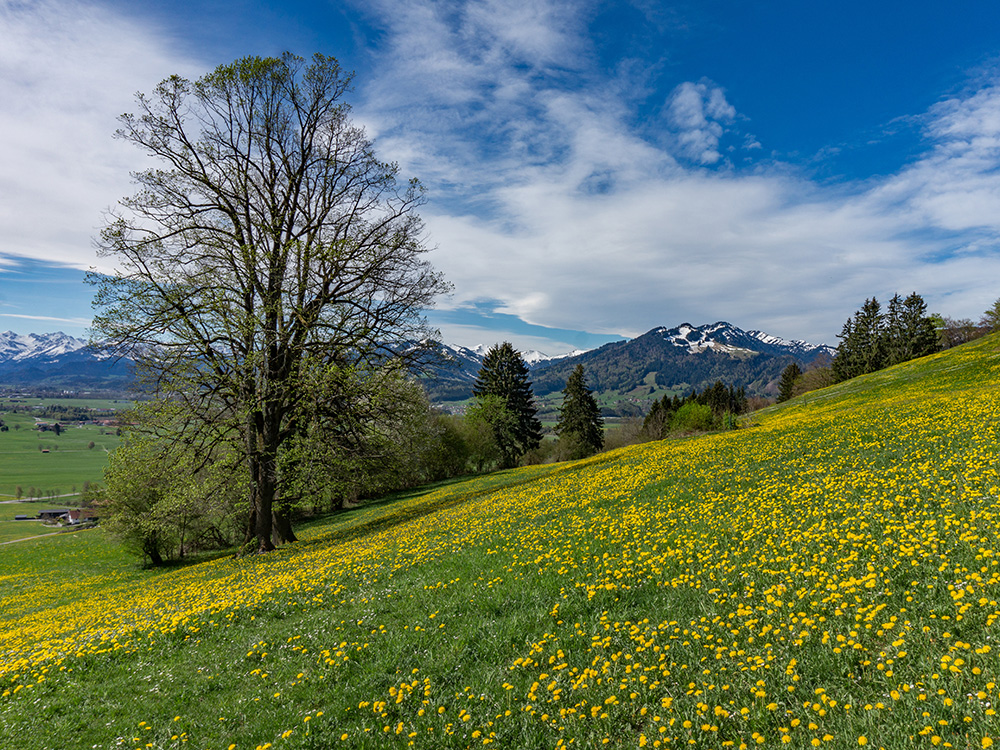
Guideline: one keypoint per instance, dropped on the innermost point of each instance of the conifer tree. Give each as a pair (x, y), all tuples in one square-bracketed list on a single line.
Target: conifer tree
[(788, 377), (844, 364), (862, 346), (580, 420), (505, 374), (918, 329), (895, 343)]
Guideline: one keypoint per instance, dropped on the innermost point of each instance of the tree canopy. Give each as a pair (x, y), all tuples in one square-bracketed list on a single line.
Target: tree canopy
[(269, 256)]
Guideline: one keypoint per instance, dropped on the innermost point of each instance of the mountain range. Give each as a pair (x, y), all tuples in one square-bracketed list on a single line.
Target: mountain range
[(58, 361), (630, 372)]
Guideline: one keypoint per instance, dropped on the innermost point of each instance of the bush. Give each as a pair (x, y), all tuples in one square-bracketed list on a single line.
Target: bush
[(692, 417)]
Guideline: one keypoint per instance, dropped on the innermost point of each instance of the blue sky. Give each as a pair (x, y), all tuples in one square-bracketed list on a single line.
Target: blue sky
[(592, 169)]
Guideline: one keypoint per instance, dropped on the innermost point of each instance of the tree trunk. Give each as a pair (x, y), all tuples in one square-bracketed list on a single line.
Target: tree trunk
[(282, 526), (262, 492), (263, 502)]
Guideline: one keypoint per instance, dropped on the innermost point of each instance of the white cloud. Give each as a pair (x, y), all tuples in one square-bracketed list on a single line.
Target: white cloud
[(67, 70), (553, 200), (955, 186), (696, 112)]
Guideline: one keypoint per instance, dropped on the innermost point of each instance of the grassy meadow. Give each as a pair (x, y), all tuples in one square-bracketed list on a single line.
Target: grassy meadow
[(69, 461), (826, 577)]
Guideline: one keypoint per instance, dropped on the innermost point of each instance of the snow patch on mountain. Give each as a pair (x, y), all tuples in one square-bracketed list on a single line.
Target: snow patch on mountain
[(725, 338), (19, 347), (531, 357)]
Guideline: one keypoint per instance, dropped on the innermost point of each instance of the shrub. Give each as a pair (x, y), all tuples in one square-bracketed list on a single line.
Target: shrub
[(692, 417)]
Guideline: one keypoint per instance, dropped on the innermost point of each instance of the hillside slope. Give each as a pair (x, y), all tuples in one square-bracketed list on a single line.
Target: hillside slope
[(827, 576)]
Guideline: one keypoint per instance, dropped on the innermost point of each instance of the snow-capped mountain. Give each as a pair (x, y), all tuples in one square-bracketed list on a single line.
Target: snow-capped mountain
[(19, 347), (473, 357), (58, 361), (726, 338), (683, 358), (531, 357)]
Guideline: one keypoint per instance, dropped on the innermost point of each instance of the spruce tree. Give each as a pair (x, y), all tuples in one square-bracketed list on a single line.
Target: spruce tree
[(918, 328), (580, 420), (895, 339), (505, 374), (862, 346), (845, 365), (868, 332), (788, 377)]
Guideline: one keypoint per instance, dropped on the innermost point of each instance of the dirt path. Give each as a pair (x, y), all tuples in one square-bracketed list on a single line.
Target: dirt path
[(15, 541)]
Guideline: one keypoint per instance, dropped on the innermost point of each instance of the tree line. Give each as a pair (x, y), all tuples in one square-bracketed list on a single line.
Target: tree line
[(873, 339), (716, 407)]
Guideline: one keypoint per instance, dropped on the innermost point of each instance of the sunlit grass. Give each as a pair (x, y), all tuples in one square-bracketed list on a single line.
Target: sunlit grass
[(826, 577)]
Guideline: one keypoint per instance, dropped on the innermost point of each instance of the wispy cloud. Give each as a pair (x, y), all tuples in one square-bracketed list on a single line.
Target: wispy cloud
[(67, 321)]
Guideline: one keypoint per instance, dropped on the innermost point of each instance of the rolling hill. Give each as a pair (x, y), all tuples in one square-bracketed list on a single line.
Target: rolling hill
[(826, 576)]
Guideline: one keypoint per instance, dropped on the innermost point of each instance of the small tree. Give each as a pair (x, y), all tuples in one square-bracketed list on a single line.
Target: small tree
[(580, 422), (788, 378), (489, 426), (504, 374), (164, 498), (692, 417)]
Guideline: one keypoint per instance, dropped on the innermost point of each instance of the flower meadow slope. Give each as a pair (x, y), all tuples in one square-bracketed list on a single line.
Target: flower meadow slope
[(826, 577)]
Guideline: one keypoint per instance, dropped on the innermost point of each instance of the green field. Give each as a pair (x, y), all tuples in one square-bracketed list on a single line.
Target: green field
[(99, 404), (69, 461), (827, 576)]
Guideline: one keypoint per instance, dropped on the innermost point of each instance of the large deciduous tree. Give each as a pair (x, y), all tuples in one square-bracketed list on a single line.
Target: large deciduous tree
[(505, 375), (268, 249)]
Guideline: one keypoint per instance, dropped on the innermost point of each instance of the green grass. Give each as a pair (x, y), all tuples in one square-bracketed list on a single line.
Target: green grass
[(68, 463), (98, 404), (830, 574)]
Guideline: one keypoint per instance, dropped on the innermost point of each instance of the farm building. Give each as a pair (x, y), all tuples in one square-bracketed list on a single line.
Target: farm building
[(53, 514)]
